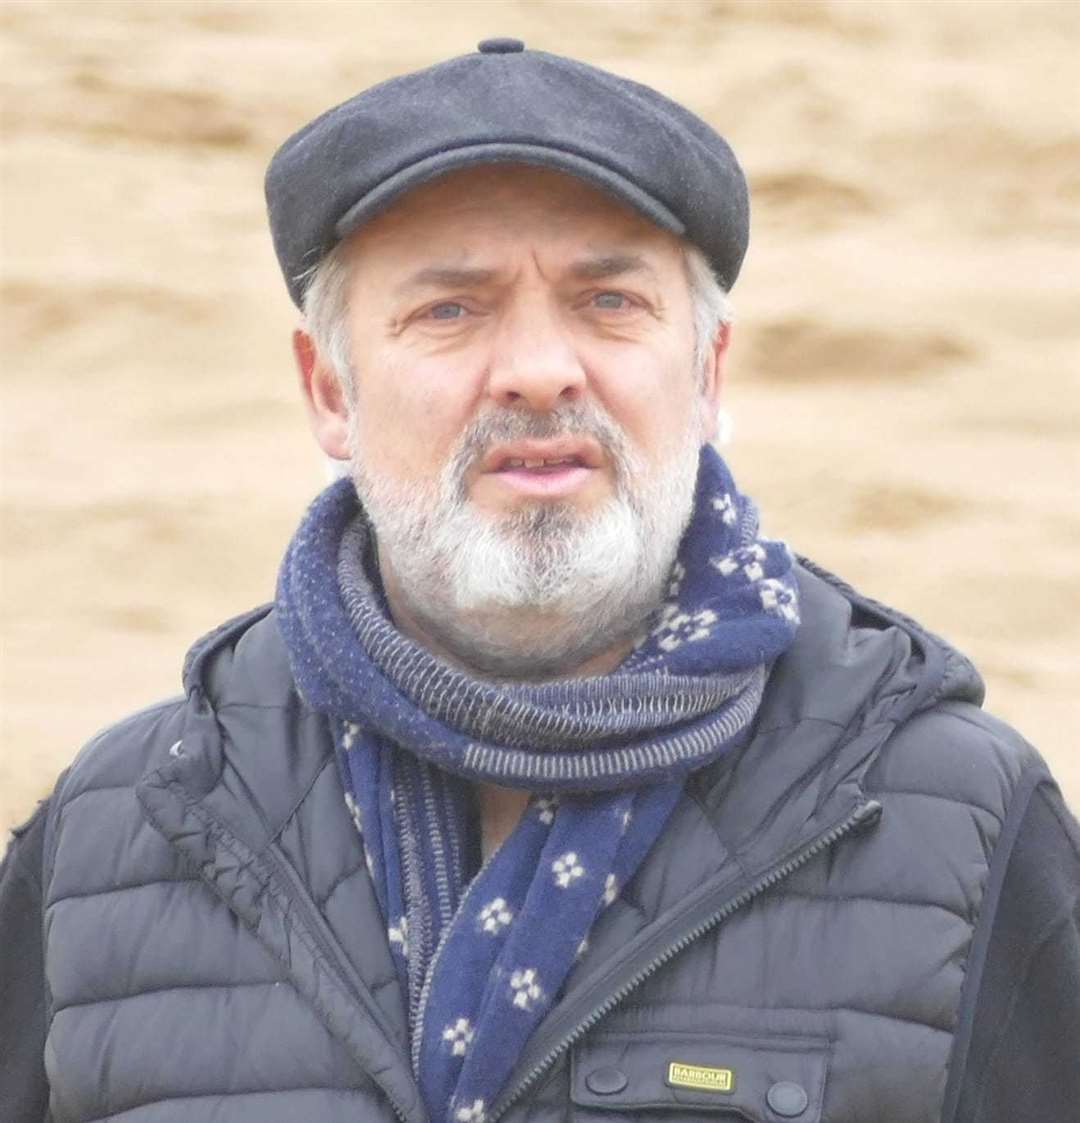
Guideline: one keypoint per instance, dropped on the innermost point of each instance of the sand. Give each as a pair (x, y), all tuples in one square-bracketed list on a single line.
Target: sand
[(904, 383)]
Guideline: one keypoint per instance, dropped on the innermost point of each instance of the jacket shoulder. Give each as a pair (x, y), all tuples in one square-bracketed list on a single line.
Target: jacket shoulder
[(119, 754), (956, 751), (94, 837), (942, 744)]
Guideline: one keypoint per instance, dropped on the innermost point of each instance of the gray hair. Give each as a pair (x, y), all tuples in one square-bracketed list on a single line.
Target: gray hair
[(710, 302), (326, 306)]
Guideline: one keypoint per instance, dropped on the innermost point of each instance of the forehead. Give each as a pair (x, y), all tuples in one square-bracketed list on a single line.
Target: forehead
[(506, 206)]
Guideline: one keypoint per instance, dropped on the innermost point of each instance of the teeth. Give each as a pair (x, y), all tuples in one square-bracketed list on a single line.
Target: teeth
[(540, 463)]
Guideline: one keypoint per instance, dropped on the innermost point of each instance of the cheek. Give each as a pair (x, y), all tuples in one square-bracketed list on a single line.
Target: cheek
[(410, 417), (654, 398)]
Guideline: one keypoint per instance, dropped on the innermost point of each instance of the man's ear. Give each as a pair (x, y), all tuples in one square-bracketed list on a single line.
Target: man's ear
[(324, 396), (712, 383)]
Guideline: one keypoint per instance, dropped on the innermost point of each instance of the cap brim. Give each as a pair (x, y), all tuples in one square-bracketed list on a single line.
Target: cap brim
[(423, 171)]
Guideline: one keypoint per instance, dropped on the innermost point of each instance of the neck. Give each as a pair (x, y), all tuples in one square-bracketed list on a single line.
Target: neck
[(500, 810)]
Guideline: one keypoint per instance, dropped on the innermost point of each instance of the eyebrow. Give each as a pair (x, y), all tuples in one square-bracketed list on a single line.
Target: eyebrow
[(610, 265), (587, 269), (446, 277)]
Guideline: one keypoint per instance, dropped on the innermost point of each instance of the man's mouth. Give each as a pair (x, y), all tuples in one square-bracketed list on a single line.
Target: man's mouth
[(552, 469)]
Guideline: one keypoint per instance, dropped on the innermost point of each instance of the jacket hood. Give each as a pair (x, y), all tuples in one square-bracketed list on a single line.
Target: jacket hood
[(853, 651)]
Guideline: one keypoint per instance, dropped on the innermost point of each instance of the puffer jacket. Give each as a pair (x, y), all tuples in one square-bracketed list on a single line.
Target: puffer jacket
[(797, 946)]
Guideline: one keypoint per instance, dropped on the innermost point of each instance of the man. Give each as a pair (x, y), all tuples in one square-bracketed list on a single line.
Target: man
[(547, 788)]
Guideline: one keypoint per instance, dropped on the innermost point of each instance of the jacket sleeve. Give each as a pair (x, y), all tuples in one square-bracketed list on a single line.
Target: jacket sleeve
[(24, 1091), (1015, 1054)]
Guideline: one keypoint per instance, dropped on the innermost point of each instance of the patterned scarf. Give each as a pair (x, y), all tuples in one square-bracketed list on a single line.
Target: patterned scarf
[(483, 955)]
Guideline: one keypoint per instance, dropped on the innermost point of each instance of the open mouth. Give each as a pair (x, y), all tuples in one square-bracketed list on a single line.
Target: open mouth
[(551, 469)]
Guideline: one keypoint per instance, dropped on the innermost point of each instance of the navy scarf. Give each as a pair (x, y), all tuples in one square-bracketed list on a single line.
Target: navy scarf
[(483, 955)]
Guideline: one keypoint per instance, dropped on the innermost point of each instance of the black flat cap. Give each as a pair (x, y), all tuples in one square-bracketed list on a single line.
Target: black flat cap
[(505, 104)]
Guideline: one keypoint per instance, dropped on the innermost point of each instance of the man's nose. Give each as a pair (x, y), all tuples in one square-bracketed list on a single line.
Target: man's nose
[(534, 362)]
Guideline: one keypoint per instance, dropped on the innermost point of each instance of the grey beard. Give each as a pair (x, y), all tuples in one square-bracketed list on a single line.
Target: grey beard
[(536, 593)]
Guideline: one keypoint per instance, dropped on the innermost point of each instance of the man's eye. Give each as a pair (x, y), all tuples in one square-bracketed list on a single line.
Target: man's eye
[(612, 300), (449, 310)]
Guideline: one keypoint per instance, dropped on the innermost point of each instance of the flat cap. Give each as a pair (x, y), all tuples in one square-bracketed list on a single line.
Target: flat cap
[(505, 104)]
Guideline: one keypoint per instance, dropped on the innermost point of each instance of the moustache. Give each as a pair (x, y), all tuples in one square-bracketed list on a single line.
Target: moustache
[(572, 419)]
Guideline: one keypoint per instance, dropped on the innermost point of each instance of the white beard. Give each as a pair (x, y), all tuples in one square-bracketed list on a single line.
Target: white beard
[(538, 592)]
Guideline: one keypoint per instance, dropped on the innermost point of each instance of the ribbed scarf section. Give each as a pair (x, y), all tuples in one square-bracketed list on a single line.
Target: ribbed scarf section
[(483, 957)]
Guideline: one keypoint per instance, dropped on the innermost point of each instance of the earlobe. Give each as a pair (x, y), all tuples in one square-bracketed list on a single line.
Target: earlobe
[(324, 396)]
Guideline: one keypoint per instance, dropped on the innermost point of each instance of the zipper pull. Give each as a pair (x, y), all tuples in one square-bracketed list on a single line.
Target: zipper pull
[(867, 816)]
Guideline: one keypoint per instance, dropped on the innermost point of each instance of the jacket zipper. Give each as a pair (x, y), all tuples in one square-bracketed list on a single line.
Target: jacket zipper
[(864, 814)]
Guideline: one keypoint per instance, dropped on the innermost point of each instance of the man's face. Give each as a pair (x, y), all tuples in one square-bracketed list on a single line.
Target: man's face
[(527, 413)]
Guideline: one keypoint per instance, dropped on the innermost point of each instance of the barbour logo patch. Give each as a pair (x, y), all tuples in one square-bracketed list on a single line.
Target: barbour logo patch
[(682, 1075)]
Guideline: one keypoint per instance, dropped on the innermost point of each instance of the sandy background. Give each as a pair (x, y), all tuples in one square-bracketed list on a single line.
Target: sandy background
[(904, 382)]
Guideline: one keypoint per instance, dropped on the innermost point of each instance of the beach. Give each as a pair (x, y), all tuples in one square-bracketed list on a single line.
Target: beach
[(904, 381)]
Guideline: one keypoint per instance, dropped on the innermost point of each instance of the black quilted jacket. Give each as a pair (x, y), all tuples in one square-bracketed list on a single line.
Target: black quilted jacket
[(848, 921)]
